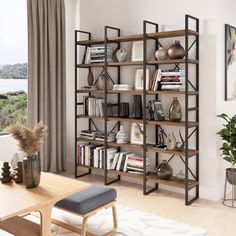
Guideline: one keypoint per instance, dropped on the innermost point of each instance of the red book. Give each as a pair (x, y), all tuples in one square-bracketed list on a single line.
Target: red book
[(153, 80), (170, 78)]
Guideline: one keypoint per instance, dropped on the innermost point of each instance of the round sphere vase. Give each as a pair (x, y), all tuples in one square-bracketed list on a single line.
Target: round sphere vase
[(31, 171), (175, 113), (161, 54), (164, 170), (121, 55), (176, 51)]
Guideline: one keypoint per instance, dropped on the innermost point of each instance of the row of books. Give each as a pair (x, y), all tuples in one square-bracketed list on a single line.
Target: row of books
[(96, 54), (93, 106), (94, 156), (168, 79)]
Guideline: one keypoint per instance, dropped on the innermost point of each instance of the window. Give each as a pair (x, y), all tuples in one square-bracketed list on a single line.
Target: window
[(13, 63)]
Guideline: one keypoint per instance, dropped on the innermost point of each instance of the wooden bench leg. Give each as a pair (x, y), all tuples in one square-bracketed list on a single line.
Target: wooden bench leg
[(84, 226), (115, 222)]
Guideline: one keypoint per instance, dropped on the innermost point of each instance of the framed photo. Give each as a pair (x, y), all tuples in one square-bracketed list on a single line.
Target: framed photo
[(136, 134), (139, 79), (137, 51), (230, 62)]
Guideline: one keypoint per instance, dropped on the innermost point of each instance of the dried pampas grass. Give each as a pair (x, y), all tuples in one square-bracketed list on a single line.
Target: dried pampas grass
[(30, 140)]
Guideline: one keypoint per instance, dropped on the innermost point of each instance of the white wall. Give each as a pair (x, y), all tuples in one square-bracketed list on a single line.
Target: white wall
[(128, 15)]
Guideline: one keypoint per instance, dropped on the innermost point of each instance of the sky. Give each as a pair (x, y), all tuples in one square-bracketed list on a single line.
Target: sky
[(13, 31)]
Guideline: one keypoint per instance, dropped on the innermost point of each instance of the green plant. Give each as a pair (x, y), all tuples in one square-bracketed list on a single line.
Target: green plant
[(228, 135)]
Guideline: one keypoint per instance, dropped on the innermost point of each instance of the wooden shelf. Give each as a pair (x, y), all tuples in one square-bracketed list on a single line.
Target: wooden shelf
[(162, 92), (138, 37), (138, 63), (149, 122), (149, 147), (151, 176)]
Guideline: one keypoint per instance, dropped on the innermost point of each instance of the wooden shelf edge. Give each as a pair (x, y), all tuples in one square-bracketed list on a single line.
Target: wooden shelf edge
[(111, 91), (137, 37), (150, 147), (191, 124), (152, 177)]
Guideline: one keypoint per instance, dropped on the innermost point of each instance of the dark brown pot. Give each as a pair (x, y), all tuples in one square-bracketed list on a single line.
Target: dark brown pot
[(176, 51), (31, 171), (231, 175)]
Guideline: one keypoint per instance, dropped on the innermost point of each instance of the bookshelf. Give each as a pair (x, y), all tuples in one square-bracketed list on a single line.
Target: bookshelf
[(191, 128)]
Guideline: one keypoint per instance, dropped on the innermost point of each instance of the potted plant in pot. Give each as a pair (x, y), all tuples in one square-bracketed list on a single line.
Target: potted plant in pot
[(228, 148), (30, 142)]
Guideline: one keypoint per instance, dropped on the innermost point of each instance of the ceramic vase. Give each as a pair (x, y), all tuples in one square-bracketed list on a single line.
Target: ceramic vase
[(124, 109), (171, 141), (176, 51), (122, 136), (175, 113), (31, 171), (101, 81), (164, 170), (161, 54), (121, 55), (90, 78), (137, 107)]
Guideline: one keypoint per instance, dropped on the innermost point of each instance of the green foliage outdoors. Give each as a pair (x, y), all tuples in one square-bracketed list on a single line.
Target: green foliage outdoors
[(228, 135), (16, 71), (13, 109)]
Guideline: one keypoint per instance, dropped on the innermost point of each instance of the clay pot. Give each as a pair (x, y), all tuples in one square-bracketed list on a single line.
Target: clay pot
[(176, 51)]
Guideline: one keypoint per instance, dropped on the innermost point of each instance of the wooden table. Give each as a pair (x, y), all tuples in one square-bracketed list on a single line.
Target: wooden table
[(16, 200)]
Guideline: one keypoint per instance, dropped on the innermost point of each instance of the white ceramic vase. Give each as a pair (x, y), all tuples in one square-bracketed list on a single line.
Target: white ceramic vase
[(121, 55)]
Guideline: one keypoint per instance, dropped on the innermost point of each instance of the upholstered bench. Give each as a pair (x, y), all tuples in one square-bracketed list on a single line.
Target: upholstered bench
[(86, 204)]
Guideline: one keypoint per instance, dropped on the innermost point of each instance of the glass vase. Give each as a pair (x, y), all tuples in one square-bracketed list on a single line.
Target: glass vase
[(175, 113), (31, 171), (164, 170)]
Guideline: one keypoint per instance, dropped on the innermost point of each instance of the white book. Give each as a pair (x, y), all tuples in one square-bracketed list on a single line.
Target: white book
[(114, 162), (101, 110), (96, 156), (97, 110), (126, 160), (86, 155), (110, 157), (120, 160), (87, 57)]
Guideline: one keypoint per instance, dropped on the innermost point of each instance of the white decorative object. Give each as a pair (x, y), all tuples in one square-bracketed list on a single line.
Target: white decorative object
[(122, 136), (171, 141), (139, 79), (122, 87), (121, 55), (161, 54), (18, 157), (137, 51)]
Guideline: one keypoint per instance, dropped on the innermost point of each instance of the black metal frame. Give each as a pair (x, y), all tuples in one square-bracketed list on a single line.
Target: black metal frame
[(158, 128)]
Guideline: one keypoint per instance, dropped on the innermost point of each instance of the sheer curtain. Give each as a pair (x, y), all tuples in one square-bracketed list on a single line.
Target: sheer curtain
[(47, 80)]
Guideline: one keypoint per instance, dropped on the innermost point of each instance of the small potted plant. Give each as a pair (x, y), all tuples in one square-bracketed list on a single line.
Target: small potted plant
[(30, 142), (228, 148)]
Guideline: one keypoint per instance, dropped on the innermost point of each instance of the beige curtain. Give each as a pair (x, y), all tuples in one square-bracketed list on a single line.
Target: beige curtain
[(46, 70)]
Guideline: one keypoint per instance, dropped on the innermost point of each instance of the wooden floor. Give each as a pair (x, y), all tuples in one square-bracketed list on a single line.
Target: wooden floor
[(218, 219)]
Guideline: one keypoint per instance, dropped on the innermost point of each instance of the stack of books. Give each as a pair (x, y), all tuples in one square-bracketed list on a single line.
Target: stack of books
[(96, 54), (168, 79), (98, 135), (93, 106), (135, 165), (94, 156)]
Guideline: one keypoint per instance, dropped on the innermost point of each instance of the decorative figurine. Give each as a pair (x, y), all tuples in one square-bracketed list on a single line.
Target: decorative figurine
[(160, 140), (121, 55), (171, 141), (180, 145), (6, 174), (18, 178), (122, 136)]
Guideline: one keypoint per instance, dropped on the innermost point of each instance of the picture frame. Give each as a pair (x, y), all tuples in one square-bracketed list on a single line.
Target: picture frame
[(136, 136), (137, 51), (230, 62), (139, 79)]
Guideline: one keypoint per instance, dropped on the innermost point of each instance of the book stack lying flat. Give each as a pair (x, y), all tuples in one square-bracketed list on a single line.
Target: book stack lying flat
[(135, 165), (168, 79), (94, 156), (89, 134), (98, 135), (96, 54)]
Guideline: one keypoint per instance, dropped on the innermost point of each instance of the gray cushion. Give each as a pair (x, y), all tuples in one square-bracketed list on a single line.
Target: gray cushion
[(88, 199)]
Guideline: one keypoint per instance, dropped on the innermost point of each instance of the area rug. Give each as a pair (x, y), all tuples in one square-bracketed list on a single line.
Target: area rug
[(131, 222)]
